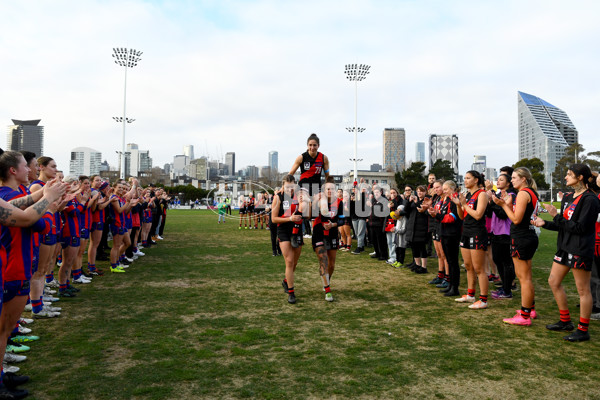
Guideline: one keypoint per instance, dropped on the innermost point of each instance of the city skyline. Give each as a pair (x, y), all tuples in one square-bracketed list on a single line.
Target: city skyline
[(230, 76)]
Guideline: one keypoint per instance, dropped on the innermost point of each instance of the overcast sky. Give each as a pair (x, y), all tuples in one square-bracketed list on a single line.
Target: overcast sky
[(256, 76)]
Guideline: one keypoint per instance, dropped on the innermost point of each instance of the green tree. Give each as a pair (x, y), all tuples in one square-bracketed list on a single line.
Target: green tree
[(413, 175), (536, 166), (190, 193), (572, 153), (442, 169), (593, 160)]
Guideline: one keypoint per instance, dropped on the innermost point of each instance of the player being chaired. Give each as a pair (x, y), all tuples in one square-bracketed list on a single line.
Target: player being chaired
[(312, 164)]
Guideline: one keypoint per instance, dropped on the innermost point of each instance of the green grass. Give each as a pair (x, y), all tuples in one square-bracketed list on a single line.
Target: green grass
[(203, 315)]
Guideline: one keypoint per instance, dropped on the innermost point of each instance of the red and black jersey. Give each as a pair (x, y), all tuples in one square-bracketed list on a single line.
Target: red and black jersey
[(472, 226), (334, 214), (450, 223), (576, 224), (311, 170), (524, 228), (287, 206)]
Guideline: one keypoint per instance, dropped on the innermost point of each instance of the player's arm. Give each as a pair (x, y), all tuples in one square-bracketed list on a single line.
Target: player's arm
[(326, 166), (25, 201), (296, 165)]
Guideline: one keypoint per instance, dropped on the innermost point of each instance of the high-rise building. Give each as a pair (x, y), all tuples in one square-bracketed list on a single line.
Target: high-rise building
[(26, 135), (491, 174), (274, 161), (444, 147), (251, 172), (230, 162), (545, 131), (85, 161), (188, 150), (180, 161), (394, 149), (420, 152), (479, 164), (201, 168), (137, 160)]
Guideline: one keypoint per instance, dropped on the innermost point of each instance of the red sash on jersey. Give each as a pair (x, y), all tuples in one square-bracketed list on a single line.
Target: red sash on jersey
[(315, 169), (534, 200), (568, 213), (333, 211), (438, 205), (291, 208), (472, 201)]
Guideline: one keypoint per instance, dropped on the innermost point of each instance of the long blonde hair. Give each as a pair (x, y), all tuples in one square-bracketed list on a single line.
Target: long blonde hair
[(524, 172)]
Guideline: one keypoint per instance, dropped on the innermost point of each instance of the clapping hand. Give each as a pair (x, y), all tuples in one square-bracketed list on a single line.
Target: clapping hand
[(537, 221), (551, 209)]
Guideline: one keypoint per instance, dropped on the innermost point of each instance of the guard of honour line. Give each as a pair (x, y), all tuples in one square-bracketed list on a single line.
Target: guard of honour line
[(50, 220), (483, 222)]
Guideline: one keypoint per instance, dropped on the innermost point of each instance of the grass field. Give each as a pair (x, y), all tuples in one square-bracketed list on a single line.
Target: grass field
[(203, 315)]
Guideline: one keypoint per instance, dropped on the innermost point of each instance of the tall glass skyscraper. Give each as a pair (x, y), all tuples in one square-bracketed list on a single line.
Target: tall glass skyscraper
[(420, 152), (274, 161), (544, 131), (26, 135), (230, 162), (394, 149)]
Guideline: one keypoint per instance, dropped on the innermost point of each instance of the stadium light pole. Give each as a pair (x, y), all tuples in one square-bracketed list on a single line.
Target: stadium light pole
[(356, 130), (126, 58), (122, 153), (356, 73)]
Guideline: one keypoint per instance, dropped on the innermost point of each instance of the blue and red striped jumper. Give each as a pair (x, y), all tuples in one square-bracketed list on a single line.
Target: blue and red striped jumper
[(118, 219), (18, 243), (70, 215)]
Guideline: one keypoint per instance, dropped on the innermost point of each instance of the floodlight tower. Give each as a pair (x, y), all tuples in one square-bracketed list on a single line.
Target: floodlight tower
[(126, 58), (356, 73)]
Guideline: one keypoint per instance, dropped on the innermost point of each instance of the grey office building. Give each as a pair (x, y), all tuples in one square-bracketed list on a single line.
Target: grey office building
[(230, 162), (479, 164), (394, 149), (26, 135), (545, 131)]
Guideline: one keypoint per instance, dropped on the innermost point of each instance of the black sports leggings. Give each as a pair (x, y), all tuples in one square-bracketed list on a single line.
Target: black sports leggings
[(450, 244), (503, 260), (274, 242)]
